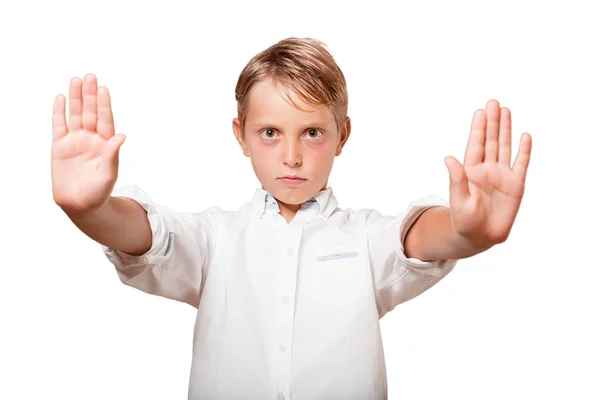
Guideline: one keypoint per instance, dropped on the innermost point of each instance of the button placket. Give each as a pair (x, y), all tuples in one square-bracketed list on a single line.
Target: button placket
[(288, 274), (289, 240)]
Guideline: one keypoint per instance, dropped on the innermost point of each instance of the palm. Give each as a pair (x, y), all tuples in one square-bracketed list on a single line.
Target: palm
[(486, 193), (84, 158), (78, 146)]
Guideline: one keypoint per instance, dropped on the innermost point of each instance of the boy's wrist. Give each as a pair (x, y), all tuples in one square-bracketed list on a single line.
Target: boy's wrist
[(89, 214), (432, 237)]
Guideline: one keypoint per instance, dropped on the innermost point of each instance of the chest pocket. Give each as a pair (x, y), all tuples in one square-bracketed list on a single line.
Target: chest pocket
[(337, 276)]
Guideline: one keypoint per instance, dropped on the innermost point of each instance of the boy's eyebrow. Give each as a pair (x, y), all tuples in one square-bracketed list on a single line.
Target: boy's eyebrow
[(312, 124)]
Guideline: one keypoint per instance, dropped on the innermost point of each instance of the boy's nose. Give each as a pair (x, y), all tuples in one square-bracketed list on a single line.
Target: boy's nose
[(292, 156)]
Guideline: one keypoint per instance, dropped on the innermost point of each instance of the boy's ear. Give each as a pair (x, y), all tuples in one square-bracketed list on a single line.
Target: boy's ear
[(344, 135), (239, 136)]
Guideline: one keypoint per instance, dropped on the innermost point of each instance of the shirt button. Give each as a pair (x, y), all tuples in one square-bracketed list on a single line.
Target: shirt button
[(282, 347), (280, 396), (290, 251), (285, 299)]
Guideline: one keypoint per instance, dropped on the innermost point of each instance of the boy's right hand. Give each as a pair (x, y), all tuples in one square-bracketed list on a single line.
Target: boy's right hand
[(85, 156)]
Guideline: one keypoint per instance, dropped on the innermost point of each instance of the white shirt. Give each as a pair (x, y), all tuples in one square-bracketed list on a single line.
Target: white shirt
[(285, 311)]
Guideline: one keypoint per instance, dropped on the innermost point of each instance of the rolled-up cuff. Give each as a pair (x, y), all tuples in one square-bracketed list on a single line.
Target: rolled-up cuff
[(416, 208), (160, 238)]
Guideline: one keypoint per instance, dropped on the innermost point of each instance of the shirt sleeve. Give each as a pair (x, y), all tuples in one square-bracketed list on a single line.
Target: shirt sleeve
[(181, 252), (398, 278)]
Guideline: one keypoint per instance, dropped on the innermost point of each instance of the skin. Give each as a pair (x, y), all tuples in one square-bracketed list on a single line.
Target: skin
[(485, 191), (84, 152), (84, 165), (283, 140)]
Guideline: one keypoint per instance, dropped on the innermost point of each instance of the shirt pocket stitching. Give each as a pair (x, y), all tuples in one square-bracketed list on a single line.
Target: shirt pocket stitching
[(337, 256)]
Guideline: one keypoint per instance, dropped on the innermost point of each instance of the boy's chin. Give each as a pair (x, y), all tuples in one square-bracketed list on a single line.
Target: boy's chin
[(293, 195)]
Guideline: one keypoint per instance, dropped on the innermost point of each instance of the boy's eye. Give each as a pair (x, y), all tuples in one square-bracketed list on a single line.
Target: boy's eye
[(314, 133), (268, 133)]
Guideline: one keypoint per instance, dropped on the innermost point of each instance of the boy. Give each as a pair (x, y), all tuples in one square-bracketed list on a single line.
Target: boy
[(289, 288)]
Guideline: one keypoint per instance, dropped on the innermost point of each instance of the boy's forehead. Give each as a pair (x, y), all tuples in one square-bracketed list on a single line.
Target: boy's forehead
[(269, 100)]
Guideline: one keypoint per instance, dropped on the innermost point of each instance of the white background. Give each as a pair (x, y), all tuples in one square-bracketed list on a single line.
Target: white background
[(519, 321)]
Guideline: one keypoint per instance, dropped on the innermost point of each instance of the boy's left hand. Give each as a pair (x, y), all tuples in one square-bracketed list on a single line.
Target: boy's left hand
[(485, 193)]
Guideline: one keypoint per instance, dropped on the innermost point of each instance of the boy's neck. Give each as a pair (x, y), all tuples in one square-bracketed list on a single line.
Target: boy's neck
[(288, 211)]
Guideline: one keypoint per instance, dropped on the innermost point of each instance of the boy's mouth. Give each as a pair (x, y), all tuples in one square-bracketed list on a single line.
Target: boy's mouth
[(291, 179)]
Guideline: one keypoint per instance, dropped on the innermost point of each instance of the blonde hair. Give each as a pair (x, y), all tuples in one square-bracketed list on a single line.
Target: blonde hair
[(303, 65)]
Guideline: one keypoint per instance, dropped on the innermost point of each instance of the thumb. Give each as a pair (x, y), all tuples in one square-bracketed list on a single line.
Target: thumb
[(459, 191), (112, 147)]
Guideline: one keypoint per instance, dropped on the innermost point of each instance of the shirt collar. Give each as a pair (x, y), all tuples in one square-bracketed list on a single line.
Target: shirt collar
[(324, 202)]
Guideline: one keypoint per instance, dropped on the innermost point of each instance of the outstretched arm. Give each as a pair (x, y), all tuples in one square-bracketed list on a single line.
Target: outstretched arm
[(485, 193), (84, 164)]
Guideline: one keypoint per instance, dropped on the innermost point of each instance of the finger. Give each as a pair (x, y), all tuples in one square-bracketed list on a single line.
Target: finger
[(522, 160), (106, 127), (110, 153), (75, 104), (474, 151), (459, 189), (59, 121), (491, 132), (89, 117), (505, 137)]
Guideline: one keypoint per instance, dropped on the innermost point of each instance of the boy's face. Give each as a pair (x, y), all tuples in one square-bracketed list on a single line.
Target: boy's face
[(283, 141)]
